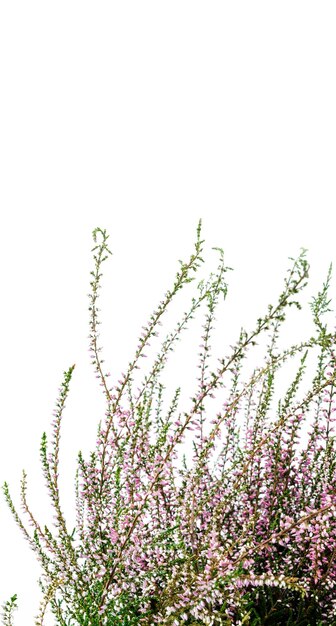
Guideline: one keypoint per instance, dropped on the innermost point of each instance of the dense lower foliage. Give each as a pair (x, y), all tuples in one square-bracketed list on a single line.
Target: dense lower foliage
[(245, 534)]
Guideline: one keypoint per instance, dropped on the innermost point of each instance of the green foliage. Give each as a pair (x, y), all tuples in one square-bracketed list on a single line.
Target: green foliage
[(7, 611), (274, 606)]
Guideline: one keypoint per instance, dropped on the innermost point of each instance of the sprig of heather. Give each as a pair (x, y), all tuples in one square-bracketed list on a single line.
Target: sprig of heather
[(7, 611), (182, 278), (56, 555), (245, 538)]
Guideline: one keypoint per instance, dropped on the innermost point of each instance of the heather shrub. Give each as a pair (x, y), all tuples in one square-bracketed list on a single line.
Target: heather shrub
[(246, 532)]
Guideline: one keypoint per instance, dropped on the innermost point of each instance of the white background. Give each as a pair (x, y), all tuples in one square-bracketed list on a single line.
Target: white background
[(141, 117)]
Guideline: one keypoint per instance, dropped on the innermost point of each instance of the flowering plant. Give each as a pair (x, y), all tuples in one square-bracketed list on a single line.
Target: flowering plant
[(244, 535)]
